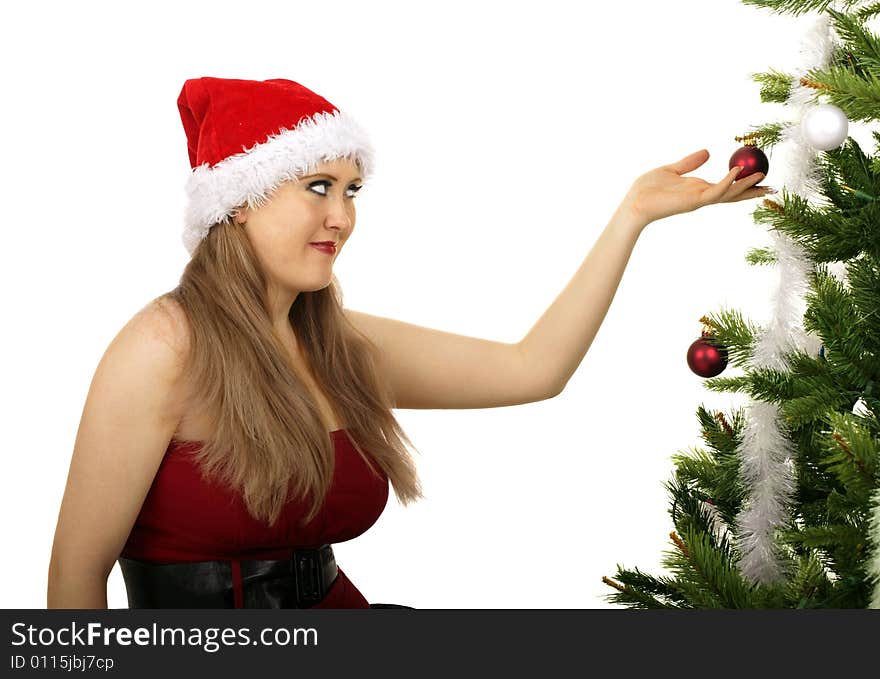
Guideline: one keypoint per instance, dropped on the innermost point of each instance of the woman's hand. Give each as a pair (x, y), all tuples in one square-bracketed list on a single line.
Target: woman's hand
[(663, 192)]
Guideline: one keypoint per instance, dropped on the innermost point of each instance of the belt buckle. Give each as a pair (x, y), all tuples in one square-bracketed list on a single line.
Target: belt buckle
[(309, 575)]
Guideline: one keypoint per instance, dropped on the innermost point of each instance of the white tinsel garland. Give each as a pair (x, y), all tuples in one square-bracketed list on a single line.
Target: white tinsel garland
[(766, 451)]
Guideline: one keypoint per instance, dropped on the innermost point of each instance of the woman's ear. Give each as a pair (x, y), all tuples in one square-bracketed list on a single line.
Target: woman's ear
[(241, 214)]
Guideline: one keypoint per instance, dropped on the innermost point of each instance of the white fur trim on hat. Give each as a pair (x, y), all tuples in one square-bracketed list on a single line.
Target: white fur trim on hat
[(248, 177)]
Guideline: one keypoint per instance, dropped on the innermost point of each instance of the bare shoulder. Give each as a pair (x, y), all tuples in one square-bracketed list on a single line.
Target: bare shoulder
[(131, 413), (153, 344), (156, 337), (164, 320)]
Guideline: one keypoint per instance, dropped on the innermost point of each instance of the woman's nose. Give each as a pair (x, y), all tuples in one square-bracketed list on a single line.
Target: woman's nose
[(337, 215)]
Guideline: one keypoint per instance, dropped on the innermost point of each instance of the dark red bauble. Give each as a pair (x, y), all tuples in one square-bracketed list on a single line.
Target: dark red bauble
[(751, 159), (706, 359)]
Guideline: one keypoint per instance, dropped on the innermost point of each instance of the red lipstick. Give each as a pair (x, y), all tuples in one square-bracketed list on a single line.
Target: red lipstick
[(327, 247)]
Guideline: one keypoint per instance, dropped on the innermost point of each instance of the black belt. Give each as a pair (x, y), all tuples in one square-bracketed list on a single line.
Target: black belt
[(298, 582)]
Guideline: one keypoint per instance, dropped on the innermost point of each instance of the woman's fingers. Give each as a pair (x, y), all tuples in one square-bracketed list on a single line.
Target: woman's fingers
[(738, 188), (754, 192), (717, 192), (690, 162)]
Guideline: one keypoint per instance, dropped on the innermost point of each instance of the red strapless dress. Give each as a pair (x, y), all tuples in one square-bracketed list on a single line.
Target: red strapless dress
[(184, 518)]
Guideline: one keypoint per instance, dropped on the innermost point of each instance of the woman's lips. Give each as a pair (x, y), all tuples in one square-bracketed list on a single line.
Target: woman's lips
[(326, 249)]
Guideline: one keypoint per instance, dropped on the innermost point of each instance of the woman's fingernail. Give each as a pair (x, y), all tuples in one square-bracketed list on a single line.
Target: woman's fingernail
[(770, 189)]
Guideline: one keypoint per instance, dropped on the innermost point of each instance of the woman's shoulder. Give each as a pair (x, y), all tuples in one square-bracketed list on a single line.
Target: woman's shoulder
[(162, 323), (164, 319)]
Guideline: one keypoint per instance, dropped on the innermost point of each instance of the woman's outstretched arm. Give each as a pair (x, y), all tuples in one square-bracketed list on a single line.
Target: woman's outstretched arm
[(430, 368), (560, 339)]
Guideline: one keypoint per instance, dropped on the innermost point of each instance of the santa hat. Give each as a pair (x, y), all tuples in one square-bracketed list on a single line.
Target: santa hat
[(246, 137)]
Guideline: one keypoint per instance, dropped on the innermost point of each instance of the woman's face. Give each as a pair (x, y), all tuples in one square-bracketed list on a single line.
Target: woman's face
[(318, 207)]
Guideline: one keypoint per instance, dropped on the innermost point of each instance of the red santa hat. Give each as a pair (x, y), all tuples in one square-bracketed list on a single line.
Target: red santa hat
[(246, 137)]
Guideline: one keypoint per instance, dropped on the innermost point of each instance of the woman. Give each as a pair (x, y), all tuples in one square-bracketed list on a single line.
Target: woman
[(241, 423)]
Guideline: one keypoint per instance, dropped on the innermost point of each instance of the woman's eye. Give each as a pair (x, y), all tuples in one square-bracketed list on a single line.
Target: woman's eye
[(324, 184)]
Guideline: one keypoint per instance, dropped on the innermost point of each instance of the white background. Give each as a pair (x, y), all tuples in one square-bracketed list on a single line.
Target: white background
[(506, 135)]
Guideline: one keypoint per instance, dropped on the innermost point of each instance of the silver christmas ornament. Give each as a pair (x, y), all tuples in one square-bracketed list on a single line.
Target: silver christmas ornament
[(825, 127)]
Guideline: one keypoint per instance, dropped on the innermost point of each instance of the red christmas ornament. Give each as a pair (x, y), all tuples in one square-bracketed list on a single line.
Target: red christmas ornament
[(750, 158), (705, 357)]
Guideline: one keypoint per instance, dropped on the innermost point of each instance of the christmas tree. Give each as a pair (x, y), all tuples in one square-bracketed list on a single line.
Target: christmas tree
[(781, 508)]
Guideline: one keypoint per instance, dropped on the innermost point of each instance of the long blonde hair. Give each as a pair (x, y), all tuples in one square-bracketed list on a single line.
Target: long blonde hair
[(267, 430)]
